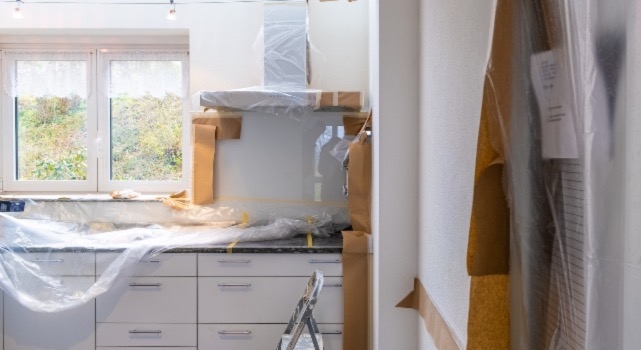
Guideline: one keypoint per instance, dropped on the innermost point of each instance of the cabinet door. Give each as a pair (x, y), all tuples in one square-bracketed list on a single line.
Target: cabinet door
[(293, 265), (258, 336), (67, 330), (264, 299), (149, 299)]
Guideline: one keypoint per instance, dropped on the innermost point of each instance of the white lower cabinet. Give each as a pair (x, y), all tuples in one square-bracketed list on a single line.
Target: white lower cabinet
[(258, 336), (67, 330), (264, 299), (246, 300), (180, 301), (145, 334), (154, 308)]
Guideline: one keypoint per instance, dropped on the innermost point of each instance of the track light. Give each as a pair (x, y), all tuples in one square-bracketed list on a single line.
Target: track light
[(17, 12), (172, 11)]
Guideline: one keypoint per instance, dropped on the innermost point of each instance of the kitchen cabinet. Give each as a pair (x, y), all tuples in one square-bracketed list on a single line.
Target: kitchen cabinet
[(245, 300), (189, 299), (67, 330), (154, 307)]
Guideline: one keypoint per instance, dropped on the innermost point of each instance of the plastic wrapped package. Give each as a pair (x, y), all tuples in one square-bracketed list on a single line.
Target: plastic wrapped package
[(562, 121), (32, 238)]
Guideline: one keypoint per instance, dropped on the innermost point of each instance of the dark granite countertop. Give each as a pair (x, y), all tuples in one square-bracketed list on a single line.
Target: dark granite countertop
[(296, 245), (299, 244)]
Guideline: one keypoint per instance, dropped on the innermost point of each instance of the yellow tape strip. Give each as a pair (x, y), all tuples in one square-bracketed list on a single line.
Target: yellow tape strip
[(231, 246), (310, 240)]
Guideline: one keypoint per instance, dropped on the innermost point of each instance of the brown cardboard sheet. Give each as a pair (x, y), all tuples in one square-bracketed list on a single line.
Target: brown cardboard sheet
[(354, 124), (488, 324), (204, 151), (355, 290), (228, 126), (419, 300), (489, 242), (344, 100), (359, 183), (488, 246)]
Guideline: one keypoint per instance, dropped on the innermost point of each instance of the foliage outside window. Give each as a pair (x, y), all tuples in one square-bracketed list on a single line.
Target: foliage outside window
[(94, 120)]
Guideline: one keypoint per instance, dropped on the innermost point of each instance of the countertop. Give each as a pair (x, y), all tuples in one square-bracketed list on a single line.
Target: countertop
[(296, 245)]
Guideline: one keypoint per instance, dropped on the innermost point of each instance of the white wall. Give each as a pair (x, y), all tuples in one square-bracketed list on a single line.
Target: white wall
[(395, 180), (455, 42)]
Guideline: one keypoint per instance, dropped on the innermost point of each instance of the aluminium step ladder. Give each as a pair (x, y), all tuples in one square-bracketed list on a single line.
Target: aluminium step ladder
[(302, 316)]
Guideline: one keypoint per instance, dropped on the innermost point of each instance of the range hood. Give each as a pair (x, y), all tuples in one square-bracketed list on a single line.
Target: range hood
[(286, 72)]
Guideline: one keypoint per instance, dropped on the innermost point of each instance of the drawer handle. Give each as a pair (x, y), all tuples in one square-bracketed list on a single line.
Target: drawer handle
[(316, 261), (150, 261), (335, 285), (234, 285), (234, 261), (48, 260), (144, 284), (234, 332), (332, 332), (152, 331)]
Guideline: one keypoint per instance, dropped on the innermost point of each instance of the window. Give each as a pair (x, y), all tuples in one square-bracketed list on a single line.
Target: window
[(94, 120)]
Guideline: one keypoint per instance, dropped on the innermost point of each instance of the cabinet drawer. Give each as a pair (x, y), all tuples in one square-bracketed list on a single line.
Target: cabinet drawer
[(168, 264), (145, 334), (63, 264), (72, 329), (145, 348), (149, 299), (264, 299), (269, 264), (258, 337)]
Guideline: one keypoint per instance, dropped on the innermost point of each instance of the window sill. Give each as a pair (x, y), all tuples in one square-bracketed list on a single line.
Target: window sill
[(98, 197)]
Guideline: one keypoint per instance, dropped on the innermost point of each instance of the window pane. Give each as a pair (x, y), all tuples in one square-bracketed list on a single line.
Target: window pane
[(51, 128), (146, 122)]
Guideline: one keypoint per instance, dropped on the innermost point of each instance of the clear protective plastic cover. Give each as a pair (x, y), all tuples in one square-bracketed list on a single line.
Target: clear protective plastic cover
[(37, 248), (564, 125)]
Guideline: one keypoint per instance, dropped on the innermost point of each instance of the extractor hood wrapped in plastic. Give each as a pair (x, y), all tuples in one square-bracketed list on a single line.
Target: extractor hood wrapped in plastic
[(286, 71)]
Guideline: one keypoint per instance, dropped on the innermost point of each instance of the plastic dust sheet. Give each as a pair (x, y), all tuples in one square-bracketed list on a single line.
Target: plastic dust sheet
[(38, 250), (570, 140), (285, 62)]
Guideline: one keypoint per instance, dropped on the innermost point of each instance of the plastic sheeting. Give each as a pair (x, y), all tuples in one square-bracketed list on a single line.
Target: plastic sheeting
[(27, 237), (571, 148), (285, 67)]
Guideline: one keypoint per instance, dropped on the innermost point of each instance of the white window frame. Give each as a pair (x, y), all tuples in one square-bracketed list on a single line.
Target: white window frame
[(98, 135), (105, 183), (9, 142)]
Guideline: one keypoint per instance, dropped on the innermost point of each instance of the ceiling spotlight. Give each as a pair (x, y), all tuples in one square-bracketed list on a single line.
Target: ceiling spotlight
[(17, 12), (172, 11)]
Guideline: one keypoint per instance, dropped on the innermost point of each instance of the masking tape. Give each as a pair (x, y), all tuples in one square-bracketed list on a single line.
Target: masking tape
[(419, 300), (231, 246), (310, 240)]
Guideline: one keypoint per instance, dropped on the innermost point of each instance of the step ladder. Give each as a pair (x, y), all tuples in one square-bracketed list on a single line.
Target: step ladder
[(302, 316)]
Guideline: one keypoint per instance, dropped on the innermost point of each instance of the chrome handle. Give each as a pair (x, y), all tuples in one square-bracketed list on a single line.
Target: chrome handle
[(316, 261), (48, 260), (152, 331), (144, 284), (335, 285), (234, 261), (234, 332), (150, 261), (332, 332), (234, 284)]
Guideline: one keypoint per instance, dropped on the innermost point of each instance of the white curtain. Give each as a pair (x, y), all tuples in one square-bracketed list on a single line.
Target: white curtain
[(47, 73), (140, 72)]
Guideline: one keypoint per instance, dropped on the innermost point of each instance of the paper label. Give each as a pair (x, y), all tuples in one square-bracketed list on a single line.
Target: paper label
[(558, 134)]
